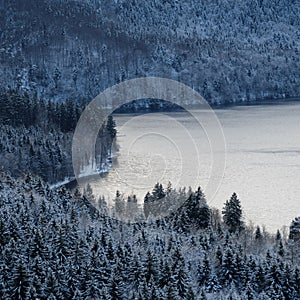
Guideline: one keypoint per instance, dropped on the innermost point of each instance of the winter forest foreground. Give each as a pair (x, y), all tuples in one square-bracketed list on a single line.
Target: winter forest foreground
[(56, 245)]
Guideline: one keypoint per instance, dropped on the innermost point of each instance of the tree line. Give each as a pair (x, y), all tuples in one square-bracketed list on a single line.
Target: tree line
[(20, 109)]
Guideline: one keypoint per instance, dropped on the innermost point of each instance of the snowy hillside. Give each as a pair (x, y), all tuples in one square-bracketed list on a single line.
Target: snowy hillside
[(227, 50)]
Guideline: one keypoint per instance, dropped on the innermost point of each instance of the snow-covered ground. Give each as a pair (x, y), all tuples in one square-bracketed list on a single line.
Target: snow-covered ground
[(87, 171)]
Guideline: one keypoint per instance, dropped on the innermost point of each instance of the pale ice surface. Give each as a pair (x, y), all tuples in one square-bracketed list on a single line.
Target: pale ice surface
[(262, 159)]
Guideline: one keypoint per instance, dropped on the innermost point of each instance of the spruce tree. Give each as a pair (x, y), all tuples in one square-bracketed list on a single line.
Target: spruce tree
[(204, 271), (258, 234), (228, 267), (190, 295), (20, 282), (203, 295), (111, 127), (233, 214), (196, 210)]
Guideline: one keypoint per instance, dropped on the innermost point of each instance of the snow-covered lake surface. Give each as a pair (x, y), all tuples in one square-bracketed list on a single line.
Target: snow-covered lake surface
[(262, 158)]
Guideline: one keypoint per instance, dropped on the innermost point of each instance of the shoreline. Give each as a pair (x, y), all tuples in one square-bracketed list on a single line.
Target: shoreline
[(71, 182), (279, 101), (226, 105)]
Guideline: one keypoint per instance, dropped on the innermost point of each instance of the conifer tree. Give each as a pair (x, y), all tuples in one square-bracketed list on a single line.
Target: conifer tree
[(233, 214), (258, 234), (111, 127), (278, 235), (119, 203), (150, 266), (196, 210), (203, 295), (20, 282), (190, 295), (204, 271)]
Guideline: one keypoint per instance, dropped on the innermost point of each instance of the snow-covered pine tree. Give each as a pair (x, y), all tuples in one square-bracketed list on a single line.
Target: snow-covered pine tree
[(233, 214)]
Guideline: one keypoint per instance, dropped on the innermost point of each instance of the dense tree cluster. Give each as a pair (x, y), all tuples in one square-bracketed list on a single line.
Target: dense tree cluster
[(228, 51), (24, 150), (21, 110), (56, 245), (36, 136)]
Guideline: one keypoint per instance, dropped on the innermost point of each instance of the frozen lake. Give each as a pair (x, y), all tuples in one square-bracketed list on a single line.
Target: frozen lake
[(262, 158)]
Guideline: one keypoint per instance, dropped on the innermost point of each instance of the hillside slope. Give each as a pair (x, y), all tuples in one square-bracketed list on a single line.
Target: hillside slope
[(227, 50)]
